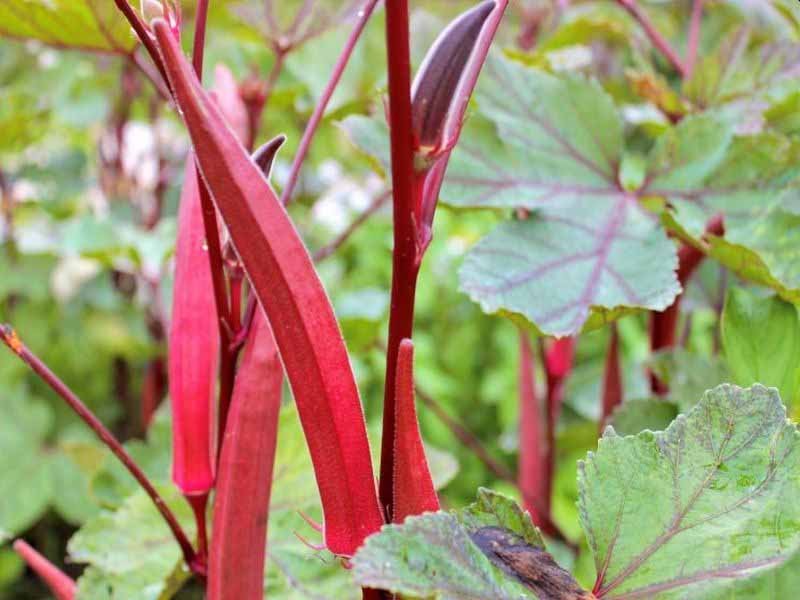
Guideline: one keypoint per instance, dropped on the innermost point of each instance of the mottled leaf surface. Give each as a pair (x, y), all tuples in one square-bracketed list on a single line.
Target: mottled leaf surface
[(82, 24), (691, 511), (489, 550)]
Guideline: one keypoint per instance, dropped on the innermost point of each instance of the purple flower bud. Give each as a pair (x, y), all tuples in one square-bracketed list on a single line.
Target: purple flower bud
[(433, 94)]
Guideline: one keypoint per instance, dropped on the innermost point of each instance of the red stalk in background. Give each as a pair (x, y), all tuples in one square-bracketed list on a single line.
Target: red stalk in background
[(241, 505), (422, 137), (62, 586), (558, 365), (9, 337), (612, 379), (414, 492), (532, 473), (664, 324), (288, 288)]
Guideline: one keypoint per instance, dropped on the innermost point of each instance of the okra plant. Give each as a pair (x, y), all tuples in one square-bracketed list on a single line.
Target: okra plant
[(215, 386)]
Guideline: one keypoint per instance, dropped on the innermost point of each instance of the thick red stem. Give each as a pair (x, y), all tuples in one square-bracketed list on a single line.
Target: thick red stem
[(405, 267), (198, 50)]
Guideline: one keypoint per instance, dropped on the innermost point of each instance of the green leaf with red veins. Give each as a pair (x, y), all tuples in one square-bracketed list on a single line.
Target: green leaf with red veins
[(288, 288), (722, 481), (95, 25), (589, 248)]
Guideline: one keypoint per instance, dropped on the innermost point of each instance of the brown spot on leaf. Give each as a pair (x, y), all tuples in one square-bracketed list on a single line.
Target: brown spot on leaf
[(532, 566)]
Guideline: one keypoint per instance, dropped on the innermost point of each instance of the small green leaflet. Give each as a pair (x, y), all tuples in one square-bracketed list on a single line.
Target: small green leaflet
[(95, 25), (722, 482), (761, 339)]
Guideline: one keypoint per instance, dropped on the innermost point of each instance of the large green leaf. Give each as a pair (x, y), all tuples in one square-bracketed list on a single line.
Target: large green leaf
[(83, 24), (688, 512), (131, 551), (688, 375), (761, 339), (555, 147), (490, 550)]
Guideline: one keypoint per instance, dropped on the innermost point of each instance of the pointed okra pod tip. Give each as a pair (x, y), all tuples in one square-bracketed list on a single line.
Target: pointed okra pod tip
[(434, 93), (62, 586)]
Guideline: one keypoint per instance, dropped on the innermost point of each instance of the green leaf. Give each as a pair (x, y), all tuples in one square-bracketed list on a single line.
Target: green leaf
[(688, 512), (562, 271), (590, 246), (688, 375), (489, 550), (131, 551), (25, 484), (761, 339), (84, 24)]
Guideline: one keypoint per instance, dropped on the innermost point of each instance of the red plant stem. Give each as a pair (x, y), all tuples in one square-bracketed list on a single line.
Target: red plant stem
[(140, 28), (663, 325), (612, 379), (199, 504), (241, 506), (10, 339), (319, 110), (405, 265), (532, 473), (694, 38), (658, 40), (62, 586), (198, 50)]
